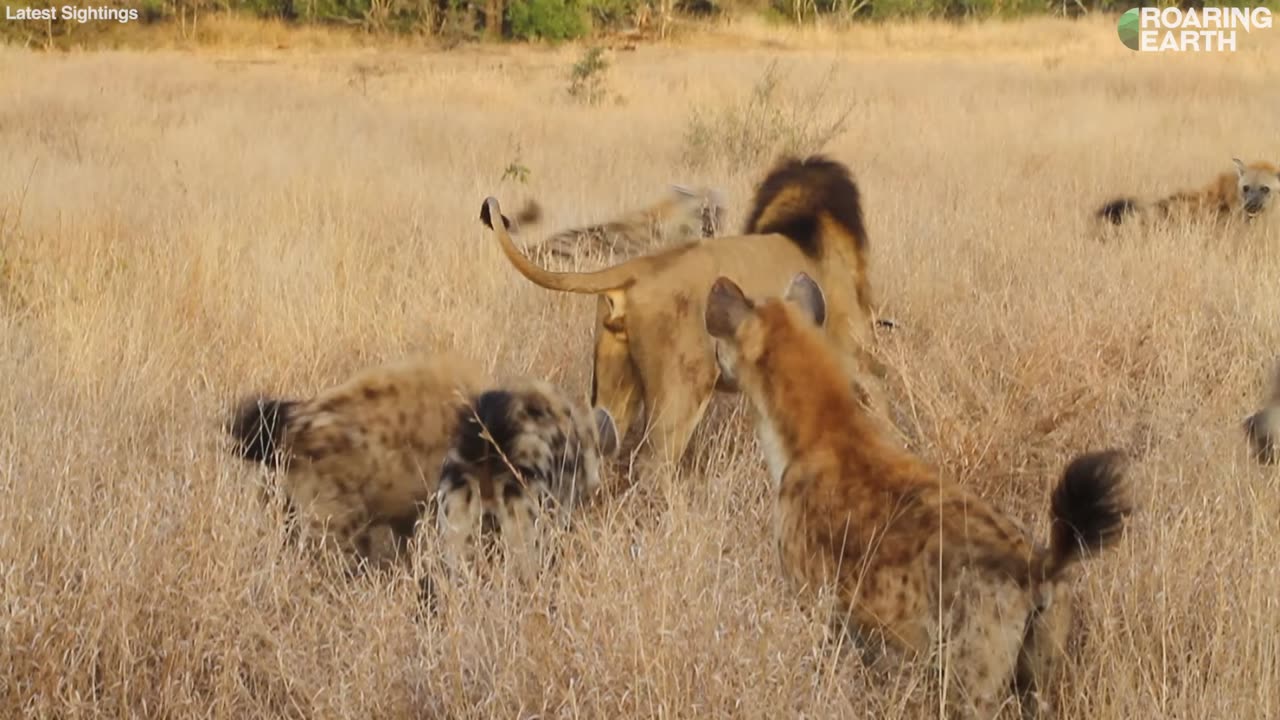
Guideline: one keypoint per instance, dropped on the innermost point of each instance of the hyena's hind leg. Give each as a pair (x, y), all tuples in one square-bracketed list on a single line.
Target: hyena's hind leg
[(333, 519), (982, 632), (1044, 656), (381, 544)]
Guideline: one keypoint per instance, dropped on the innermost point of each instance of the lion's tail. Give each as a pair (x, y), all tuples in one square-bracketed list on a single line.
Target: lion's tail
[(599, 281), (1088, 510), (257, 427)]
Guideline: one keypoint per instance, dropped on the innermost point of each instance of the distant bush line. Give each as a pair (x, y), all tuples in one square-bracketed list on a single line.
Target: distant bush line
[(556, 20)]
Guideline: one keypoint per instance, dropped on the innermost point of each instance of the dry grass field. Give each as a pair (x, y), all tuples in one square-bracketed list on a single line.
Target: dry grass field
[(178, 228)]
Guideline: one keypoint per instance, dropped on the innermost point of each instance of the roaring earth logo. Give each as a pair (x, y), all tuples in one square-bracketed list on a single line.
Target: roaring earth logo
[(1171, 29)]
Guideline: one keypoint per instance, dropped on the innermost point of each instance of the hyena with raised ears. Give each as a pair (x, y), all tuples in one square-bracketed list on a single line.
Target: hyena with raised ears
[(902, 546), (1246, 192)]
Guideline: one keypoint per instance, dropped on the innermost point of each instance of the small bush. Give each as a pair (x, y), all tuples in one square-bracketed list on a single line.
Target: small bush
[(587, 77), (546, 20), (773, 119), (517, 171)]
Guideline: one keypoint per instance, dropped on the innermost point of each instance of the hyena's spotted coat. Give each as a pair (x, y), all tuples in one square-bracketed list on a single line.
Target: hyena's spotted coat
[(903, 547), (364, 459), (1244, 193), (524, 457)]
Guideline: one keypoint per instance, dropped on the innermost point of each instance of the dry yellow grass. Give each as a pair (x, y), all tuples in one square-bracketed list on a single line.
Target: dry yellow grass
[(180, 229)]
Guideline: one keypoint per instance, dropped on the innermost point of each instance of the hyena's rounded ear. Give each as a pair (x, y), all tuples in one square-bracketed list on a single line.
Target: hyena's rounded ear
[(606, 430), (727, 307), (805, 294), (1239, 167)]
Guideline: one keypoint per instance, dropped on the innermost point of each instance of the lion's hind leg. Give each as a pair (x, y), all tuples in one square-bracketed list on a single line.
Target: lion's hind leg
[(678, 390)]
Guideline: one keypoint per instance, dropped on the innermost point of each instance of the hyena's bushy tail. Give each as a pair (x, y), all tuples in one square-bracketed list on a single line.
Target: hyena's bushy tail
[(257, 426), (1118, 210), (1089, 508)]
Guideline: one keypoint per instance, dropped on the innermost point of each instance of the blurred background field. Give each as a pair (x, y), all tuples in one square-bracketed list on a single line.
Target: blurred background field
[(180, 227)]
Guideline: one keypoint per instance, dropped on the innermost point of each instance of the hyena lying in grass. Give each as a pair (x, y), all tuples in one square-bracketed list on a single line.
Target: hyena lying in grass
[(1245, 193), (903, 546), (362, 461)]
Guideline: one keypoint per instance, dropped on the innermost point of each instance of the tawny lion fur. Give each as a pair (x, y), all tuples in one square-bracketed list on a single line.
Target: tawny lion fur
[(651, 352), (362, 460), (1245, 193), (902, 546)]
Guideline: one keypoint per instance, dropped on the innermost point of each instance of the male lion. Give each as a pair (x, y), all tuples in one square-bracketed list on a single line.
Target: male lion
[(650, 348), (917, 561)]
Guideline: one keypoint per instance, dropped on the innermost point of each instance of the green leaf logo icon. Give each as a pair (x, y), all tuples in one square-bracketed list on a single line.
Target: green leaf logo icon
[(1130, 28)]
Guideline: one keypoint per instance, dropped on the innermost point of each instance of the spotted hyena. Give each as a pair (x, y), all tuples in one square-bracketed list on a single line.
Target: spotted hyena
[(919, 564), (362, 461), (523, 458), (1246, 192)]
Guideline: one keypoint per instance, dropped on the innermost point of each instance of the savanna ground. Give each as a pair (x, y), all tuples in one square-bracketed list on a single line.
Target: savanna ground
[(180, 228)]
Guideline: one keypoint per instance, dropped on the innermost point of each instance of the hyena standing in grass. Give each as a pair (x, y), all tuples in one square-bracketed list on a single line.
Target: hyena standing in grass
[(363, 460), (903, 546)]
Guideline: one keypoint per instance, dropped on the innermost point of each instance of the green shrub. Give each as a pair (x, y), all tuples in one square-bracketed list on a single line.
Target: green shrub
[(586, 77), (546, 20)]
